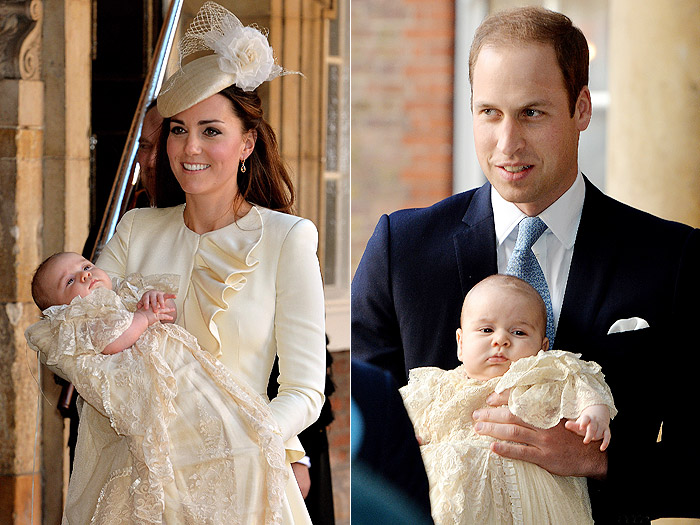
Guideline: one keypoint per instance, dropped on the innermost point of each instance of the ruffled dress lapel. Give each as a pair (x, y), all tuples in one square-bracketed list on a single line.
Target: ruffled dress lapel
[(222, 263)]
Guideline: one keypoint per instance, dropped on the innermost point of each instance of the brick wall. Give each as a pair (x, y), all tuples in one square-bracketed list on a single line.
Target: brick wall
[(402, 69), (339, 437)]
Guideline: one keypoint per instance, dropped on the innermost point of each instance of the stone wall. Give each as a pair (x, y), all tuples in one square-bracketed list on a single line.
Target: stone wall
[(21, 150)]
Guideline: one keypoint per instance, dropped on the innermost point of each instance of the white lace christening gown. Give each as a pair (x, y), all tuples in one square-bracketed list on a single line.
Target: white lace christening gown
[(469, 484), (196, 446)]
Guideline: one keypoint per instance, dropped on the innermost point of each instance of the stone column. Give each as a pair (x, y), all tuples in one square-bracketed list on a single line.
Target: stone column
[(21, 150), (66, 56), (654, 120)]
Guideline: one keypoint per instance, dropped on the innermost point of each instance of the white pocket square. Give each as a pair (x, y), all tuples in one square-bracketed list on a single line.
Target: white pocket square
[(627, 325)]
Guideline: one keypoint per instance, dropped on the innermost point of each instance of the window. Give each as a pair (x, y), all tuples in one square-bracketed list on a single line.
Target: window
[(336, 179)]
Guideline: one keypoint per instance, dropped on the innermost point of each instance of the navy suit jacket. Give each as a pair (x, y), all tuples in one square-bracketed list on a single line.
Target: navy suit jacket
[(418, 265)]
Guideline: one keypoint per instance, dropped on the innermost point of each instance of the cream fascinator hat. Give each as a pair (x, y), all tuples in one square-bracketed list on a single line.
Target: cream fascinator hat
[(241, 56)]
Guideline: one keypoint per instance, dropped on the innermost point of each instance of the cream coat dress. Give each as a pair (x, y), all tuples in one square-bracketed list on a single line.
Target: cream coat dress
[(248, 291)]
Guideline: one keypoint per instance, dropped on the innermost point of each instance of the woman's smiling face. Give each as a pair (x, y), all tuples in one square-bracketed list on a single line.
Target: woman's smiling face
[(205, 146)]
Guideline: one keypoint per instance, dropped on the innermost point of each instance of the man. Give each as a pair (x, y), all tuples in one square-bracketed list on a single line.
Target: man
[(604, 263), (146, 156)]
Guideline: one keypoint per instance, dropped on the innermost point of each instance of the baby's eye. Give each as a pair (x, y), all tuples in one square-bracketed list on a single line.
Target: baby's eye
[(69, 281), (519, 333), (486, 330), (87, 267)]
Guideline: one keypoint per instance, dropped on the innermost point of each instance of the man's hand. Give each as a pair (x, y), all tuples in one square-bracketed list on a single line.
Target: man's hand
[(556, 450)]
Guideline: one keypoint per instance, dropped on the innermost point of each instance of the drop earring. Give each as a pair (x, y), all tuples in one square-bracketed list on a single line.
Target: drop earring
[(242, 165)]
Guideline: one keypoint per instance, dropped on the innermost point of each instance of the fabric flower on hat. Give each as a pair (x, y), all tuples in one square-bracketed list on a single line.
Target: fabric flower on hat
[(241, 57), (245, 53)]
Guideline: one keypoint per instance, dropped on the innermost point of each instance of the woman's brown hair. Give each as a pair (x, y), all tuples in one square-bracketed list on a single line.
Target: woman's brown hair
[(265, 182)]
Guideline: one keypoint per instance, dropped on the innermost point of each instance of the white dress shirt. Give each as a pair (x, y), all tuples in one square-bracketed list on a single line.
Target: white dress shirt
[(555, 248)]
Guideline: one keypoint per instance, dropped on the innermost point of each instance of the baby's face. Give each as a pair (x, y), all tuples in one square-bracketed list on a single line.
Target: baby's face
[(70, 275), (497, 329)]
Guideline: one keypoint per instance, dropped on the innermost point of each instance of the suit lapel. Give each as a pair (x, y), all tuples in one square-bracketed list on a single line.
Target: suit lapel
[(475, 249), (475, 243), (589, 274)]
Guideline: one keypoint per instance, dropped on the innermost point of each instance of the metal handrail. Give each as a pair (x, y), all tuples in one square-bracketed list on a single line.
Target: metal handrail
[(122, 188)]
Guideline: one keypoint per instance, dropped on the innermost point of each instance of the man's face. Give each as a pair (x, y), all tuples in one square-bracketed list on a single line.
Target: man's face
[(146, 155), (526, 139)]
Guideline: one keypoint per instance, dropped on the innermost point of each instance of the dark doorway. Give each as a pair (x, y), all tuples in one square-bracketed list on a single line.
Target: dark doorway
[(124, 37)]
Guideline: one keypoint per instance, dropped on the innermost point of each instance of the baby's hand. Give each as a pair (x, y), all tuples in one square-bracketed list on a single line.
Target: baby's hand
[(154, 317), (156, 301), (593, 424), (158, 306)]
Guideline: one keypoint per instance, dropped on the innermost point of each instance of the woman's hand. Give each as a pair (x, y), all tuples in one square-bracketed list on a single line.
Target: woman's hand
[(301, 473)]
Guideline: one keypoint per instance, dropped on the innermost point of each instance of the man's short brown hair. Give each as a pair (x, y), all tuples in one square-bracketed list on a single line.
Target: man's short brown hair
[(526, 25)]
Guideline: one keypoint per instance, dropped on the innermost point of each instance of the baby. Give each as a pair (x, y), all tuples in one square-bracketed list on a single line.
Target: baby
[(65, 276), (184, 416), (502, 345)]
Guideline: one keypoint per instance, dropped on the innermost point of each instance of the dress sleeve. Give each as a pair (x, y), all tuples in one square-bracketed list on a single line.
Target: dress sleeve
[(299, 332), (553, 385)]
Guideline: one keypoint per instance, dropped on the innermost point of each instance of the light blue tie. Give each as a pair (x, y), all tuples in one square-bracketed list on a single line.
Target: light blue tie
[(524, 264)]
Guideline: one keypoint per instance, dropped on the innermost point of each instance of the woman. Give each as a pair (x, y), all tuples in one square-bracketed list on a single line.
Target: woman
[(250, 285)]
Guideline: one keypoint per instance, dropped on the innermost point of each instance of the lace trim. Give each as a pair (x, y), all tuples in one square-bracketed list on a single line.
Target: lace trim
[(259, 416), (513, 490), (124, 472)]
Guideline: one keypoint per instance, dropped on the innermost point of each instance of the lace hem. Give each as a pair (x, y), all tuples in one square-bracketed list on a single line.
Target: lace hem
[(258, 415)]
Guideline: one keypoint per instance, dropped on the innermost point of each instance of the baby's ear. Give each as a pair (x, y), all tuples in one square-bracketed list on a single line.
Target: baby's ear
[(545, 344), (459, 344)]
